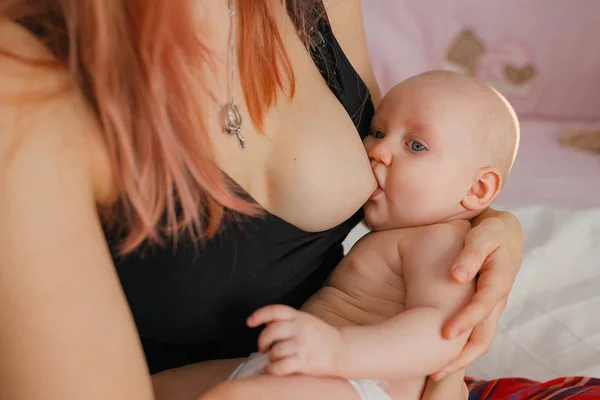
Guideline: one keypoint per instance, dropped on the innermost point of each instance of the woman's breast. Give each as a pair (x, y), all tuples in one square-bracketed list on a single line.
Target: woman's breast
[(319, 176), (310, 167)]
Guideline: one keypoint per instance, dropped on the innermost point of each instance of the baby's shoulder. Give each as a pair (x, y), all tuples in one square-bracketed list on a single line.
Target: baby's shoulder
[(374, 241), (374, 247), (447, 230), (435, 238), (390, 244)]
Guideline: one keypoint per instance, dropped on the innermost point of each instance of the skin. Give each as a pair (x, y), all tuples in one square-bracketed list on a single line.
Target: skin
[(380, 316), (71, 334), (441, 146)]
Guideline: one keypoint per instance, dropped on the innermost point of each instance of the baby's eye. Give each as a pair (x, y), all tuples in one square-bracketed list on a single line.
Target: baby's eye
[(377, 134), (416, 146)]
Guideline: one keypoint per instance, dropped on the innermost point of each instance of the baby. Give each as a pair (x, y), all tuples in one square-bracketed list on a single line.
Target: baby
[(441, 148)]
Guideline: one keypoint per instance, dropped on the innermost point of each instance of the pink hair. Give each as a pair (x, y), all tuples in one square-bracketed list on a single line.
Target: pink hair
[(137, 61)]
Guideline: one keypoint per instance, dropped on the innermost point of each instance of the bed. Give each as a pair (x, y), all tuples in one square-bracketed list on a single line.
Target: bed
[(551, 327)]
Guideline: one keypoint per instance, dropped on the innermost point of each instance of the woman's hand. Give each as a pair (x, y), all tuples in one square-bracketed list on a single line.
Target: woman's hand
[(452, 387), (494, 249)]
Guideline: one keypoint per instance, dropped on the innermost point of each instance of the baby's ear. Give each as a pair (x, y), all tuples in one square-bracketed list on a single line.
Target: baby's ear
[(483, 191)]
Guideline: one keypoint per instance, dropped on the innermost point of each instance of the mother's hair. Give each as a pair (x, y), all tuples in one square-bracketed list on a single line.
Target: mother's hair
[(138, 63)]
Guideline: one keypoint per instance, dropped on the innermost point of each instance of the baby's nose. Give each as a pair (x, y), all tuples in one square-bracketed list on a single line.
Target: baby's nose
[(380, 154)]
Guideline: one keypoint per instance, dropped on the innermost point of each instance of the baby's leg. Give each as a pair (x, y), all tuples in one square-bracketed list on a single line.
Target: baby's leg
[(297, 387)]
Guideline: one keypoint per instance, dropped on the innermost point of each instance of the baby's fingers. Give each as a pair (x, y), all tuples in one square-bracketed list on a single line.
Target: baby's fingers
[(275, 332), (284, 367), (275, 312), (281, 350)]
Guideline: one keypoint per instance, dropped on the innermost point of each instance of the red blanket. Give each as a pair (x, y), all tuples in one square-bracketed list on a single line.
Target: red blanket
[(577, 388)]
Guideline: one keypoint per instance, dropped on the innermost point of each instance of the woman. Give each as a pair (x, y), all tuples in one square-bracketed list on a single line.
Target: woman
[(137, 180)]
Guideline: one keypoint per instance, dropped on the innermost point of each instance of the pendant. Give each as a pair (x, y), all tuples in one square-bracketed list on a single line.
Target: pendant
[(232, 122)]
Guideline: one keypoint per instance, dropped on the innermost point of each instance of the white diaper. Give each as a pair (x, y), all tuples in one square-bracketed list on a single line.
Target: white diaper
[(255, 365), (369, 389)]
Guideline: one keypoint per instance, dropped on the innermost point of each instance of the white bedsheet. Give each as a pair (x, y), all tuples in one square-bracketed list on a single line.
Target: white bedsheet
[(551, 326)]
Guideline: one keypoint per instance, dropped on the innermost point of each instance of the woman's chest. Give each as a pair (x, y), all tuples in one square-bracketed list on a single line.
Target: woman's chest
[(308, 165)]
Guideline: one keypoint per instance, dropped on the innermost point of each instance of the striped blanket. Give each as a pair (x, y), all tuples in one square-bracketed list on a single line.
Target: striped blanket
[(576, 388)]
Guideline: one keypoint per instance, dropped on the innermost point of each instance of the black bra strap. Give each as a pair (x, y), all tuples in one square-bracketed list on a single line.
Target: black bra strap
[(334, 66)]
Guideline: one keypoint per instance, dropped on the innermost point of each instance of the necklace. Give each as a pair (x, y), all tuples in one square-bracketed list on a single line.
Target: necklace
[(232, 118)]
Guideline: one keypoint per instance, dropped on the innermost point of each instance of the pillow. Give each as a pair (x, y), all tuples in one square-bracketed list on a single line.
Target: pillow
[(541, 54)]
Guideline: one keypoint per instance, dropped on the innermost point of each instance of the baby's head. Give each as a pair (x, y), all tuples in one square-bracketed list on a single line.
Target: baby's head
[(441, 147)]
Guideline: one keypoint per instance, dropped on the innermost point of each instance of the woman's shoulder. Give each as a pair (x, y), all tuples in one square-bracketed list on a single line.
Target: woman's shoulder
[(42, 104), (57, 273)]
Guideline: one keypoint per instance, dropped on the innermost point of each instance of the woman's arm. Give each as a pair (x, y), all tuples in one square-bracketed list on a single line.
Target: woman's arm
[(505, 216), (494, 250), (66, 330)]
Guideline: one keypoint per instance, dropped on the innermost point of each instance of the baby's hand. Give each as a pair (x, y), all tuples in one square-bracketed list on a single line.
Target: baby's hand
[(297, 342)]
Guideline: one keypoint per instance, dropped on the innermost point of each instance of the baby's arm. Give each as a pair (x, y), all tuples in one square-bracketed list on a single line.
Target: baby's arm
[(411, 345)]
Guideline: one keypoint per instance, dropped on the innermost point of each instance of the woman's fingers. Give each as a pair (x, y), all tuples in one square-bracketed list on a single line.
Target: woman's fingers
[(452, 387), (471, 352), (472, 315), (493, 287), (480, 242), (478, 345)]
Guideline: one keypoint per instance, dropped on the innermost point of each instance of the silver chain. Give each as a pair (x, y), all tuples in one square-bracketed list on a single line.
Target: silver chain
[(232, 118), (232, 51)]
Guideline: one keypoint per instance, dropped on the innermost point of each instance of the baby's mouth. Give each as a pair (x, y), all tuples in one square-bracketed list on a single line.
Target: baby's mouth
[(379, 184), (376, 193)]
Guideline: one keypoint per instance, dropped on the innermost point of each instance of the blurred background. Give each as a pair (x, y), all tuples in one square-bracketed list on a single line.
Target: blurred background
[(544, 56)]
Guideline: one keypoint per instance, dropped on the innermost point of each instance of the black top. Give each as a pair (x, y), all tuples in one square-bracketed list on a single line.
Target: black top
[(190, 304)]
